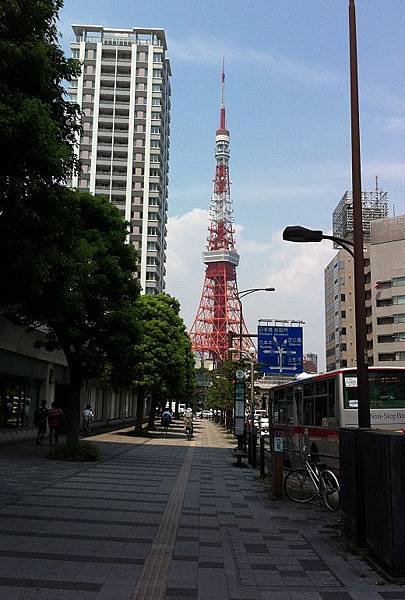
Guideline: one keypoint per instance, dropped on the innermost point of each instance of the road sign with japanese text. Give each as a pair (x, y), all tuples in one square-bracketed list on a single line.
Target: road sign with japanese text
[(280, 349)]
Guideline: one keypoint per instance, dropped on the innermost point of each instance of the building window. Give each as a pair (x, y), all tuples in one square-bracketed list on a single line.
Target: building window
[(396, 281), (343, 297), (155, 129), (157, 57), (154, 144), (385, 320), (399, 355), (398, 300), (343, 314), (156, 116), (157, 73), (150, 260), (156, 87), (387, 302), (399, 318), (343, 331), (389, 357), (385, 339), (75, 53)]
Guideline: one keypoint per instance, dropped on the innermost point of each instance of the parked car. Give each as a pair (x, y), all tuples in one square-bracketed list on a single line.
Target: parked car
[(206, 414), (264, 426)]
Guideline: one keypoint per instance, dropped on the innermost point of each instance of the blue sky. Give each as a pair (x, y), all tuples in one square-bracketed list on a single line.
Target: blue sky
[(287, 98)]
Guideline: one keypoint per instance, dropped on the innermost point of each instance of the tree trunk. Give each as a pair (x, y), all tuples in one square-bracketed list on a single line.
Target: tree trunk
[(176, 409), (152, 413), (71, 406), (140, 403)]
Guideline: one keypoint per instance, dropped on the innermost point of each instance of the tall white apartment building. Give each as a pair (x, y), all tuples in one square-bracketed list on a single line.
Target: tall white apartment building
[(124, 94)]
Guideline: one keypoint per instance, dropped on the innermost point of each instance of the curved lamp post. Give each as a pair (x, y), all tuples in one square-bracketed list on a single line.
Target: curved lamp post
[(297, 233), (239, 296)]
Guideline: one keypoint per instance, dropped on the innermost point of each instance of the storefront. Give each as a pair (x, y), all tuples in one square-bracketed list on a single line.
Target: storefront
[(19, 397)]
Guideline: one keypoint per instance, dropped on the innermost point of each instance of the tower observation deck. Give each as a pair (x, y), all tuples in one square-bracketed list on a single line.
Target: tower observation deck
[(218, 315)]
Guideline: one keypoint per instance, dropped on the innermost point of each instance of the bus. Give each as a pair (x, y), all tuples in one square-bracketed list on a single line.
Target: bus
[(307, 413)]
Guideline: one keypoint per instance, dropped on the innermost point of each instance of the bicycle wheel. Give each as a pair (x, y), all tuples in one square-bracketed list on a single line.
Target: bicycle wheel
[(299, 487), (330, 490)]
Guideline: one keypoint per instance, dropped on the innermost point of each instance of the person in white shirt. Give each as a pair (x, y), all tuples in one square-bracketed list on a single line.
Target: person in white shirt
[(188, 419), (88, 416)]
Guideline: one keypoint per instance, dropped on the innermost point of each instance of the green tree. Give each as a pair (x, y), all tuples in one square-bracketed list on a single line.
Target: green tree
[(38, 128), (94, 316), (165, 355)]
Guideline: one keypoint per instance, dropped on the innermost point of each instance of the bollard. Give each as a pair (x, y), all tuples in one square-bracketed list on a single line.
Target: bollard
[(277, 474), (254, 450), (262, 463)]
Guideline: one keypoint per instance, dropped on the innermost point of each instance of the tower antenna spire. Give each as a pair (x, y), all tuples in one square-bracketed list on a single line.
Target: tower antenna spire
[(222, 115)]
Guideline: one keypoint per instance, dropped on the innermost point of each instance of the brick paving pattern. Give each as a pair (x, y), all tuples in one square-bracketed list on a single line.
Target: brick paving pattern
[(163, 518)]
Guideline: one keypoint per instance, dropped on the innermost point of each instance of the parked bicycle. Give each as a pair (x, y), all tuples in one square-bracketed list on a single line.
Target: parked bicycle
[(313, 480)]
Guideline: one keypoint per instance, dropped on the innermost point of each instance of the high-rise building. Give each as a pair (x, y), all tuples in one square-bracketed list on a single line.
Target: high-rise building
[(310, 362), (124, 95), (385, 294), (374, 206), (385, 302)]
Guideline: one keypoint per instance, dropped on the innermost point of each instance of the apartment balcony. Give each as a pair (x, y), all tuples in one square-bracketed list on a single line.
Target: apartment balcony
[(119, 177), (124, 77), (119, 161), (121, 120), (120, 134)]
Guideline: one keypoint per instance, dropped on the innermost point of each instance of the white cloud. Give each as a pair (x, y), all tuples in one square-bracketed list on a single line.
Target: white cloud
[(295, 270), (206, 50)]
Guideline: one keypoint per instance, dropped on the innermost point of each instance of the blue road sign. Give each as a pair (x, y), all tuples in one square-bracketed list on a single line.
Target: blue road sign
[(280, 349)]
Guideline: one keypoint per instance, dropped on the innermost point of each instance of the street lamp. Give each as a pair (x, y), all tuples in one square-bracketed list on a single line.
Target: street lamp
[(297, 233), (239, 296)]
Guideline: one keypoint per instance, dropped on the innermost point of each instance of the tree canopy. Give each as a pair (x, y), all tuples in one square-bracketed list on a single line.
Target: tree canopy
[(38, 128), (166, 365)]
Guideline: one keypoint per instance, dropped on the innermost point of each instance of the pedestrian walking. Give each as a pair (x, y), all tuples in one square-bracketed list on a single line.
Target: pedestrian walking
[(40, 421), (166, 419), (55, 421), (87, 418)]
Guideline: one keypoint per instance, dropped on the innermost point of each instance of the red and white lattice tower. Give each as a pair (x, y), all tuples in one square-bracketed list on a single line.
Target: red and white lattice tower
[(218, 314)]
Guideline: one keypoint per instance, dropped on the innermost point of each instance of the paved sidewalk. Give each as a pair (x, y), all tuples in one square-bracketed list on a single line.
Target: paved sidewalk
[(165, 519)]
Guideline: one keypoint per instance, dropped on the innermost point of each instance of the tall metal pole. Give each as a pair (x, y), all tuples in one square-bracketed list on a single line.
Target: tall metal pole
[(240, 327), (361, 331)]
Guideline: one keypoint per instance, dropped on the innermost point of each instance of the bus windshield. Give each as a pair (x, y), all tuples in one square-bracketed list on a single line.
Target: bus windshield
[(387, 389)]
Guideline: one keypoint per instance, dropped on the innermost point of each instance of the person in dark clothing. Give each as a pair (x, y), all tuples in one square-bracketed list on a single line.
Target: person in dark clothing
[(40, 421), (55, 420)]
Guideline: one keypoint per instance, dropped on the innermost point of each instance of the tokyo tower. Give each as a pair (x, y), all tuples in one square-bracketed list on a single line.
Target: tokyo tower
[(218, 314)]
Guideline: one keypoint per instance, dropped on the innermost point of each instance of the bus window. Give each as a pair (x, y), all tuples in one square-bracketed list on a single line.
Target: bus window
[(309, 405), (298, 404), (331, 400), (321, 410), (387, 390)]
